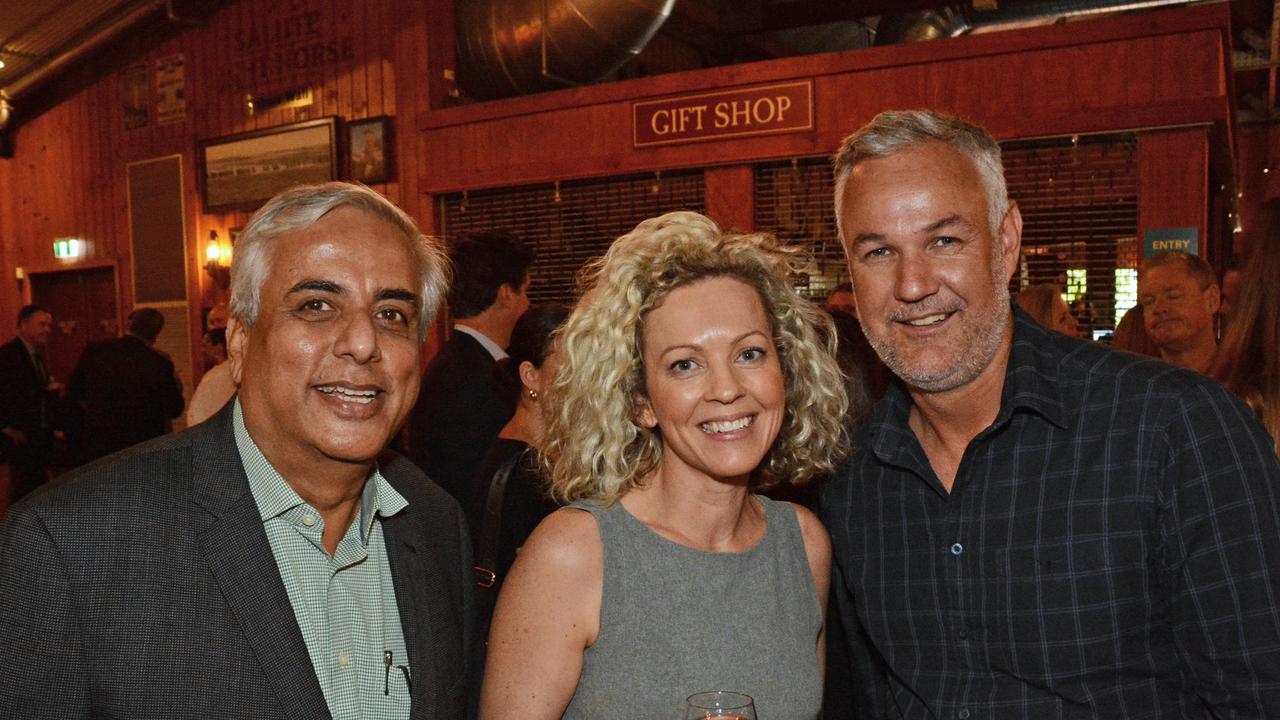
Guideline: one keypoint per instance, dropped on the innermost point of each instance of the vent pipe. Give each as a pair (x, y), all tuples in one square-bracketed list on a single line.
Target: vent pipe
[(82, 47), (515, 47)]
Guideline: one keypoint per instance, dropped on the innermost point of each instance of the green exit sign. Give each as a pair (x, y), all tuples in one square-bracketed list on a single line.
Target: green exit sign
[(67, 248)]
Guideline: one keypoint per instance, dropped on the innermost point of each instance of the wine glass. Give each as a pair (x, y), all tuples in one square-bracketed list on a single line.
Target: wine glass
[(719, 704)]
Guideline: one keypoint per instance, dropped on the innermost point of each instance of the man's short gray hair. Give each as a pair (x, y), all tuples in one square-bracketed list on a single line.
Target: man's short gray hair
[(896, 130), (301, 207)]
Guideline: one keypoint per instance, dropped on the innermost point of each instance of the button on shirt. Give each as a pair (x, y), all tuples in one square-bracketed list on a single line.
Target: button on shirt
[(345, 603), (1110, 548)]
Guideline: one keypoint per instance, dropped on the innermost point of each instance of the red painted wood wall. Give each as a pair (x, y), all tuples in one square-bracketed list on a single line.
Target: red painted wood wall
[(1165, 69), (1157, 69), (67, 176)]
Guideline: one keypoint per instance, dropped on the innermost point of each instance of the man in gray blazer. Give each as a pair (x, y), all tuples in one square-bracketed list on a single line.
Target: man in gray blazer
[(276, 561)]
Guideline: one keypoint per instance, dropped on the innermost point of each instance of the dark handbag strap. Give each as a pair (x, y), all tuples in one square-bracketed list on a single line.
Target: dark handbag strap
[(487, 553)]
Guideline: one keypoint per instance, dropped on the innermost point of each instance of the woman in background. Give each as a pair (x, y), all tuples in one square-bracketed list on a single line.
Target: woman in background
[(1045, 305), (216, 386), (510, 498), (1248, 360), (691, 374)]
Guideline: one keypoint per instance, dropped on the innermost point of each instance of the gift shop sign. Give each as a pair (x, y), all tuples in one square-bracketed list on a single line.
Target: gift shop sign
[(756, 110)]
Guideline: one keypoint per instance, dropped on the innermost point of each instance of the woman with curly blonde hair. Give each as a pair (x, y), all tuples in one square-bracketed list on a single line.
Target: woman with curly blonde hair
[(691, 374)]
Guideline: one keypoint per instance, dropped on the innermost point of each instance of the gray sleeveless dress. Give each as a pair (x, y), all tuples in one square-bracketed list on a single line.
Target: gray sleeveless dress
[(675, 621)]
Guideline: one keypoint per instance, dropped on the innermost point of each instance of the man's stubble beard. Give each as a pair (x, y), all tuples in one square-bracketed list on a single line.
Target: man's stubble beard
[(981, 338)]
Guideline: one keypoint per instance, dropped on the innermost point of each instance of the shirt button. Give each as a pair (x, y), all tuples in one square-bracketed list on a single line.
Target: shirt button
[(308, 519), (963, 714), (964, 634), (956, 550), (344, 659)]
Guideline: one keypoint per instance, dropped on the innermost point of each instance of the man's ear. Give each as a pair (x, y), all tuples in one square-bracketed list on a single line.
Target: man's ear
[(237, 342), (1011, 239), (1213, 298), (506, 295)]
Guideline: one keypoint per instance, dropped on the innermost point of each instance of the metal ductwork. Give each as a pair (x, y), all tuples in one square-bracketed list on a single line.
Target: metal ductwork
[(514, 47), (82, 47), (950, 22)]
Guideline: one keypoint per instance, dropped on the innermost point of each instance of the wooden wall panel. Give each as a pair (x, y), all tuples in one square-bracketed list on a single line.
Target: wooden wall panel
[(730, 194), (67, 177), (1257, 179), (1150, 70), (1173, 181), (387, 57), (10, 293)]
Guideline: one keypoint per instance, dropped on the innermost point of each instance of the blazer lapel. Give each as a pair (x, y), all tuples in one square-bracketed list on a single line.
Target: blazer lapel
[(423, 605), (239, 556)]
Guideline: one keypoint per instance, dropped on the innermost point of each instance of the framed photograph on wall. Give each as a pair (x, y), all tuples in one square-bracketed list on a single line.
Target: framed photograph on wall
[(369, 150), (240, 172)]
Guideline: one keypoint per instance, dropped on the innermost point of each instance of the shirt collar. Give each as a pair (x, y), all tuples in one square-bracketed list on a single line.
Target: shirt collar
[(1030, 383), (1035, 360), (275, 497), (489, 345)]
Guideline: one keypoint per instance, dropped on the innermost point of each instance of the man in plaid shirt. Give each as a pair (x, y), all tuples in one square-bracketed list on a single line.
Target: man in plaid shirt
[(1032, 526)]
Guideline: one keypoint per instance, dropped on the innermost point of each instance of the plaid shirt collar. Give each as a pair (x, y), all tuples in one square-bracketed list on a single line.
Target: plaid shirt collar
[(1030, 384)]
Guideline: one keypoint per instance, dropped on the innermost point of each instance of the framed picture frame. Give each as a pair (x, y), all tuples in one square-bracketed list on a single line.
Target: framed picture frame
[(369, 153), (240, 172)]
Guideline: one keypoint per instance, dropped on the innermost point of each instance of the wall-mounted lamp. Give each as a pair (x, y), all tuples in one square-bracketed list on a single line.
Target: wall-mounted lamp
[(217, 252), (217, 260)]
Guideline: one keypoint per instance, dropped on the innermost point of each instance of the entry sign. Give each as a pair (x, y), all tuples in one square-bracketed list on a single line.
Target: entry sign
[(1158, 240), (756, 110)]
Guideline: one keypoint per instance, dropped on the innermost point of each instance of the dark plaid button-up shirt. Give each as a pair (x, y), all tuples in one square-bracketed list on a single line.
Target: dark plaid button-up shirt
[(1110, 548)]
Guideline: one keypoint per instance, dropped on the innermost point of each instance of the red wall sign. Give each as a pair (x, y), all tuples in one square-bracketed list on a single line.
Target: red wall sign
[(756, 110)]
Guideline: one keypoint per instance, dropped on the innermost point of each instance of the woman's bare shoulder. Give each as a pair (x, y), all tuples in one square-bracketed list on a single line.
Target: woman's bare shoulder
[(566, 542)]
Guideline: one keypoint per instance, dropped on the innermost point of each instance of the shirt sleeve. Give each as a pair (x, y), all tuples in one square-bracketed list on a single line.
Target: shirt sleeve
[(42, 674), (1220, 535)]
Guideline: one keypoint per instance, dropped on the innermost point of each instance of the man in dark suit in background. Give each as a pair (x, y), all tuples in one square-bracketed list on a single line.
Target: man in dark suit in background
[(126, 389), (462, 406), (273, 562), (27, 397)]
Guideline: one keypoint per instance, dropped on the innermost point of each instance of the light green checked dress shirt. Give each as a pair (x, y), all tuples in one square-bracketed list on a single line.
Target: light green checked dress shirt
[(345, 604)]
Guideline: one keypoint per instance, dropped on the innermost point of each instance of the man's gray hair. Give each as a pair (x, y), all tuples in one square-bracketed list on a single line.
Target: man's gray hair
[(301, 207), (896, 130)]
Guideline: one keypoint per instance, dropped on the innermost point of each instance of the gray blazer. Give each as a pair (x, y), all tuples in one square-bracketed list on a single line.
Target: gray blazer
[(143, 586)]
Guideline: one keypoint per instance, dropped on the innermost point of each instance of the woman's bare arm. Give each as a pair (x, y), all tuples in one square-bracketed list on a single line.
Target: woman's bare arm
[(546, 617), (817, 546)]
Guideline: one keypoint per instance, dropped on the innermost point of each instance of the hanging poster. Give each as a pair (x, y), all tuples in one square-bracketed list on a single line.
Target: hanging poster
[(135, 93), (171, 90)]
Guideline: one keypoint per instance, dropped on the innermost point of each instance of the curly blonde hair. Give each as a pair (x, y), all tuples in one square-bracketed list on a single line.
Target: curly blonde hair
[(594, 448)]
